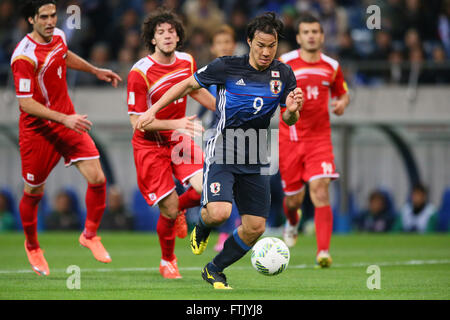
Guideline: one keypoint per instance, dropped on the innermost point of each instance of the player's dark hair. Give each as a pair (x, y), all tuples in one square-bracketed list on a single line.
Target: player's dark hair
[(377, 195), (420, 188), (30, 8), (307, 17), (154, 20), (266, 23)]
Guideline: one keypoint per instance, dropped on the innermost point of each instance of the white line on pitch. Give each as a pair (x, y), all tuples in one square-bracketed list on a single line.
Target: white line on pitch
[(300, 266)]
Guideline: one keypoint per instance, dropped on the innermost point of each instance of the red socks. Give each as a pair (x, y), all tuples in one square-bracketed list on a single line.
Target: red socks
[(189, 199), (291, 215), (95, 206), (323, 218), (28, 208), (166, 233)]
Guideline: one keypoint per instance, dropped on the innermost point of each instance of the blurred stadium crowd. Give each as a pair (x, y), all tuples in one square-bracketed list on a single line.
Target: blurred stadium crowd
[(412, 46), (414, 36)]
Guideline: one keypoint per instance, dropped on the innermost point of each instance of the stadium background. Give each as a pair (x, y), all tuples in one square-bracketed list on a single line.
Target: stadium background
[(395, 132)]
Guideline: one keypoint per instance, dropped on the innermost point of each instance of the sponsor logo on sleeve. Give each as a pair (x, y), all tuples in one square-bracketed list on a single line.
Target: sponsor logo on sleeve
[(24, 85), (131, 99)]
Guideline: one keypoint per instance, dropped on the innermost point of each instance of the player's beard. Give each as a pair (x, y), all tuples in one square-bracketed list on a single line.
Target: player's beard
[(167, 53), (43, 34)]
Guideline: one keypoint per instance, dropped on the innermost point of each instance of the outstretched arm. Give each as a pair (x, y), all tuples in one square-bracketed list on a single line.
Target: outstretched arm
[(186, 125), (73, 61), (174, 93), (205, 98)]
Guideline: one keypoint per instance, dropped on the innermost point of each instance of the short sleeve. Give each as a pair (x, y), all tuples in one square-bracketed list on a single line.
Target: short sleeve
[(213, 73), (137, 90), (24, 78), (291, 84), (339, 86)]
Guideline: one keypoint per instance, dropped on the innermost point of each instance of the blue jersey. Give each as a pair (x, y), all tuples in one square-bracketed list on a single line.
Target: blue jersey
[(246, 100)]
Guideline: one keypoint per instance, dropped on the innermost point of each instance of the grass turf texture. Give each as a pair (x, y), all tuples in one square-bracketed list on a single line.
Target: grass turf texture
[(412, 267)]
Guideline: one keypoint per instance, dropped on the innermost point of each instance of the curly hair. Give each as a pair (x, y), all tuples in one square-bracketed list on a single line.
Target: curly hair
[(154, 20)]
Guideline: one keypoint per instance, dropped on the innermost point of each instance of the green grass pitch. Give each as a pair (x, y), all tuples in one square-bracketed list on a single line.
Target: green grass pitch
[(412, 267)]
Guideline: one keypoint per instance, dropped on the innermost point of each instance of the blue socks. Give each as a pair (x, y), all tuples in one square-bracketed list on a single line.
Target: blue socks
[(233, 250)]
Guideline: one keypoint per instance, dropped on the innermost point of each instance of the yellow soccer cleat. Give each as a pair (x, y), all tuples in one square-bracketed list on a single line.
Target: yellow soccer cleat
[(217, 279), (198, 244)]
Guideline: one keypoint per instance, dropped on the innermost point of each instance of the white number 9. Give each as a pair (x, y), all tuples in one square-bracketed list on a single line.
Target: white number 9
[(258, 104)]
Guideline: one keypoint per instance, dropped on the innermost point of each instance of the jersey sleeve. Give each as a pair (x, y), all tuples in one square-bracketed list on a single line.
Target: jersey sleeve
[(213, 73), (291, 84), (339, 86), (24, 78), (137, 90)]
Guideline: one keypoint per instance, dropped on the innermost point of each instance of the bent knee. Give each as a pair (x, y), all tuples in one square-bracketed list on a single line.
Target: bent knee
[(34, 190), (320, 195), (255, 230), (218, 215), (97, 178), (294, 202), (168, 206)]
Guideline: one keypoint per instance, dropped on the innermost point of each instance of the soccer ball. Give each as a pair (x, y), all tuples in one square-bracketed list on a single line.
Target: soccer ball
[(270, 256)]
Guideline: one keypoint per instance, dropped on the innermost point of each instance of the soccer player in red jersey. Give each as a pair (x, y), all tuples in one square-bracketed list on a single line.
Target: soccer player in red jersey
[(50, 129), (306, 151), (156, 146)]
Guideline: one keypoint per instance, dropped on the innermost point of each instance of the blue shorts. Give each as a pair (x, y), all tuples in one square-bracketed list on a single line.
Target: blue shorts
[(251, 192)]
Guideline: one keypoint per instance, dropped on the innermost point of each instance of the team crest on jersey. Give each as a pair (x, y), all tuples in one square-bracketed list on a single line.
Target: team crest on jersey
[(215, 188), (275, 86)]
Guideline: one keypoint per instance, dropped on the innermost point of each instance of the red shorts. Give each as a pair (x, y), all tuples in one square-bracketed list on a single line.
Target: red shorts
[(156, 167), (304, 161), (41, 152)]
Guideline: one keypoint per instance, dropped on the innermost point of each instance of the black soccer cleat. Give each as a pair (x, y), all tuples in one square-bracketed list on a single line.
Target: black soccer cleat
[(217, 279)]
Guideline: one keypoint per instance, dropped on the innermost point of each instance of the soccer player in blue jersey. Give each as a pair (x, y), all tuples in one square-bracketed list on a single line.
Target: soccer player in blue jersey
[(249, 90)]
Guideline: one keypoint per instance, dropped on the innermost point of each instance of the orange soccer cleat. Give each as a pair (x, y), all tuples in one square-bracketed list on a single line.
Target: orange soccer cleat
[(169, 269), (181, 228), (37, 261), (96, 247)]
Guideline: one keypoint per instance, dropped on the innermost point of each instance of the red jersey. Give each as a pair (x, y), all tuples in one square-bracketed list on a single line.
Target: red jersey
[(148, 80), (316, 80), (39, 71)]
